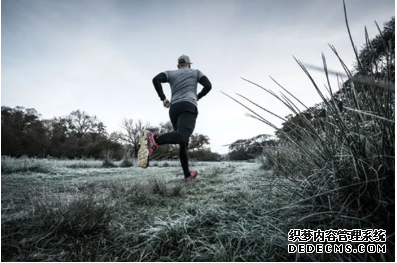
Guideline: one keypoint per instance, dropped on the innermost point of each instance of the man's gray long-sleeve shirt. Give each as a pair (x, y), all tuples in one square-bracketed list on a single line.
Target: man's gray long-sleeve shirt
[(183, 84)]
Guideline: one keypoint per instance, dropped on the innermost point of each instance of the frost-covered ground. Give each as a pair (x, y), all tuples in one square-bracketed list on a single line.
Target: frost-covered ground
[(223, 174), (68, 177), (136, 214)]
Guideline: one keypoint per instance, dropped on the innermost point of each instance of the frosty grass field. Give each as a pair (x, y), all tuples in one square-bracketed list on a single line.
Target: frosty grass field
[(77, 210)]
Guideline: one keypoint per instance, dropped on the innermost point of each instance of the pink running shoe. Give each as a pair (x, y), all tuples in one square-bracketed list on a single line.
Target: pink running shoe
[(192, 176), (148, 144)]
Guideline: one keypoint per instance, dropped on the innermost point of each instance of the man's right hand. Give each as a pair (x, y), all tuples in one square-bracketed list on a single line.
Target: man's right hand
[(166, 103)]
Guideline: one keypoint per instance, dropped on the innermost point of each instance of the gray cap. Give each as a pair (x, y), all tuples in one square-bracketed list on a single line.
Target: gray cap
[(184, 59)]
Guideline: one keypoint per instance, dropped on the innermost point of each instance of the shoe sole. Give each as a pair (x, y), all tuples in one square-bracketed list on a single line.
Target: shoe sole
[(143, 153)]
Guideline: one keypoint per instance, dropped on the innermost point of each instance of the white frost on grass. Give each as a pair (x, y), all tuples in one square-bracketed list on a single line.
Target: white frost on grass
[(154, 204)]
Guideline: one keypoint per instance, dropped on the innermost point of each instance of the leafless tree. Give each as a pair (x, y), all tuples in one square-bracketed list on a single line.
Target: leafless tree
[(131, 132), (80, 123)]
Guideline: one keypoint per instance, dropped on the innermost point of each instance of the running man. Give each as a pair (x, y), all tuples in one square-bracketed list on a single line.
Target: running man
[(182, 110)]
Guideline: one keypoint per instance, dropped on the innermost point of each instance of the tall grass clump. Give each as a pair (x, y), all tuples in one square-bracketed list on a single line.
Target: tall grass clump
[(151, 192), (107, 160), (24, 164), (128, 160), (79, 163), (340, 157), (265, 162), (56, 230)]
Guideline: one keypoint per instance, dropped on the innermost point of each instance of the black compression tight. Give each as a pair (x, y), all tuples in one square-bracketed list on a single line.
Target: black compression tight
[(183, 118)]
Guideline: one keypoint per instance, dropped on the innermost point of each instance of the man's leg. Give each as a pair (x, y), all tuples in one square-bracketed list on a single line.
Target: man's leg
[(183, 118), (185, 125), (175, 137), (184, 159), (184, 128)]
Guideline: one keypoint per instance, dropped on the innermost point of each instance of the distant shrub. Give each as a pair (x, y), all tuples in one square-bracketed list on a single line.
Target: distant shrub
[(204, 155), (127, 159), (107, 161), (127, 163), (108, 164)]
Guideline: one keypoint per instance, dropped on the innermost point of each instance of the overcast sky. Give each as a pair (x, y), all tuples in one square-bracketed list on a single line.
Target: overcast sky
[(100, 56)]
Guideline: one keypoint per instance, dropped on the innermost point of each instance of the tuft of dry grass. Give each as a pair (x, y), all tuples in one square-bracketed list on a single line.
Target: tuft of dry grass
[(24, 164), (340, 166), (57, 231)]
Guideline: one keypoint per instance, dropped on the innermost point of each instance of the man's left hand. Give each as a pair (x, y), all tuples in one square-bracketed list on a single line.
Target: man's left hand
[(166, 103)]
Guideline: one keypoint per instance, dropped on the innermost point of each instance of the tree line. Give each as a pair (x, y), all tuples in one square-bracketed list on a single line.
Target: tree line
[(80, 135)]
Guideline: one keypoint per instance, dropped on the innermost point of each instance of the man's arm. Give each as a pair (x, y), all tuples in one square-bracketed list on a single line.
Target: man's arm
[(157, 80), (206, 87)]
